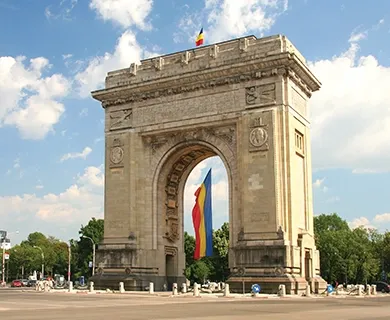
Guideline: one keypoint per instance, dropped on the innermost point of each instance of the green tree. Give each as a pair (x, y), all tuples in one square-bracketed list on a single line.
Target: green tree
[(83, 247), (216, 265), (333, 235), (221, 253), (27, 257), (350, 256)]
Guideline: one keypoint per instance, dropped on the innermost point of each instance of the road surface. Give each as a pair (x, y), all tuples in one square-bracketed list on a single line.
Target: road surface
[(30, 305)]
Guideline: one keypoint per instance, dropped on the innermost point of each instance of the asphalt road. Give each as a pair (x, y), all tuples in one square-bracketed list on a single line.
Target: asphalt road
[(18, 305)]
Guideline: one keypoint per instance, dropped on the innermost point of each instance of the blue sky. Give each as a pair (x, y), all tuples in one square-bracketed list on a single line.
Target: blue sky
[(53, 53)]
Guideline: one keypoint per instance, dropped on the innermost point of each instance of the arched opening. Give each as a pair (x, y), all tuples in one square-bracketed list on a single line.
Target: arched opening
[(214, 268), (172, 208)]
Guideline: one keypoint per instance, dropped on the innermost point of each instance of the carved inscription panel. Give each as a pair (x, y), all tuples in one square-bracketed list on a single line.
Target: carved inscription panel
[(178, 110), (298, 102)]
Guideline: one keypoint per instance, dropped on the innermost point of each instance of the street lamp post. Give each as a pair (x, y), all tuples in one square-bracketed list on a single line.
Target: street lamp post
[(3, 263), (69, 261), (43, 261), (93, 253), (4, 238)]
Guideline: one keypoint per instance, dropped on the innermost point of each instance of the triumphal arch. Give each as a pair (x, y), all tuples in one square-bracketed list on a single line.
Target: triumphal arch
[(244, 100)]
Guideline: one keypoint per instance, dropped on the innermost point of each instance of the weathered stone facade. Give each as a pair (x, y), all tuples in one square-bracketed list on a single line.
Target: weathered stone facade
[(244, 100)]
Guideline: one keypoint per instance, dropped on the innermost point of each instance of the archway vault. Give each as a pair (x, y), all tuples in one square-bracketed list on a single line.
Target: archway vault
[(174, 156)]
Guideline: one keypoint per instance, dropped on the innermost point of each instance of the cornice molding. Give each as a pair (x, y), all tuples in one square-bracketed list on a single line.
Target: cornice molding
[(284, 64)]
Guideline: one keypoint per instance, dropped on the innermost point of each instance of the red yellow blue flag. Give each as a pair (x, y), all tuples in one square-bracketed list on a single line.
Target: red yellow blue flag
[(202, 220), (199, 39)]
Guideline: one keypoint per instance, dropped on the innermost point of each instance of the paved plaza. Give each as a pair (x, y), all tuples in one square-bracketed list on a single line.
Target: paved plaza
[(18, 305)]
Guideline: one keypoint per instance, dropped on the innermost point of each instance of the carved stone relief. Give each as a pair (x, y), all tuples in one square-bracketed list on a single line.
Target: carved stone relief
[(258, 134), (170, 251), (261, 95), (227, 134), (266, 93), (172, 232), (121, 119), (116, 153)]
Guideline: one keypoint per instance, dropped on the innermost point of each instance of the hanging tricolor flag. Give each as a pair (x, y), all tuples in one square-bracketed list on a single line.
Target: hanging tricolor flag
[(199, 39), (202, 220)]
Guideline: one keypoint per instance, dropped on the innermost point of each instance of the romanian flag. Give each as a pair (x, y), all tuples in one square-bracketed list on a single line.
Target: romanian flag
[(199, 39), (202, 220)]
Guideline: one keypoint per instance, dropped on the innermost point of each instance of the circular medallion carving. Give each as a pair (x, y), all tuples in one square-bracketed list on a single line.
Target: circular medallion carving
[(116, 155), (258, 137)]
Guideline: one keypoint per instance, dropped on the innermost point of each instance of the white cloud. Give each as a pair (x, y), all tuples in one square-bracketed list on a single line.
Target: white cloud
[(220, 192), (67, 56), (351, 113), (16, 163), (355, 37), (318, 183), (124, 12), (231, 18), (75, 155), (127, 51), (385, 217), (361, 222), (28, 99), (78, 203), (62, 10)]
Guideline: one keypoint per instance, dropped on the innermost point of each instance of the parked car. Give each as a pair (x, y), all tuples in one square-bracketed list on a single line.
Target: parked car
[(24, 282), (31, 283), (382, 286), (17, 284)]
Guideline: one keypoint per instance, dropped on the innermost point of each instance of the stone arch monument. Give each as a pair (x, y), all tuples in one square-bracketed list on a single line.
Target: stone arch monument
[(244, 100)]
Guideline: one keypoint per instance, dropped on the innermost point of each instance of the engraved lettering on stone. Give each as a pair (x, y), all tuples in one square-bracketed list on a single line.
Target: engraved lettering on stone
[(260, 217), (258, 137), (298, 102), (121, 119), (258, 122)]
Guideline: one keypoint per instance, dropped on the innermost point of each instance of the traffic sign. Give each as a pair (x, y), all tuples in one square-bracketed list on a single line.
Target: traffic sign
[(90, 264), (6, 256), (256, 288), (329, 288)]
